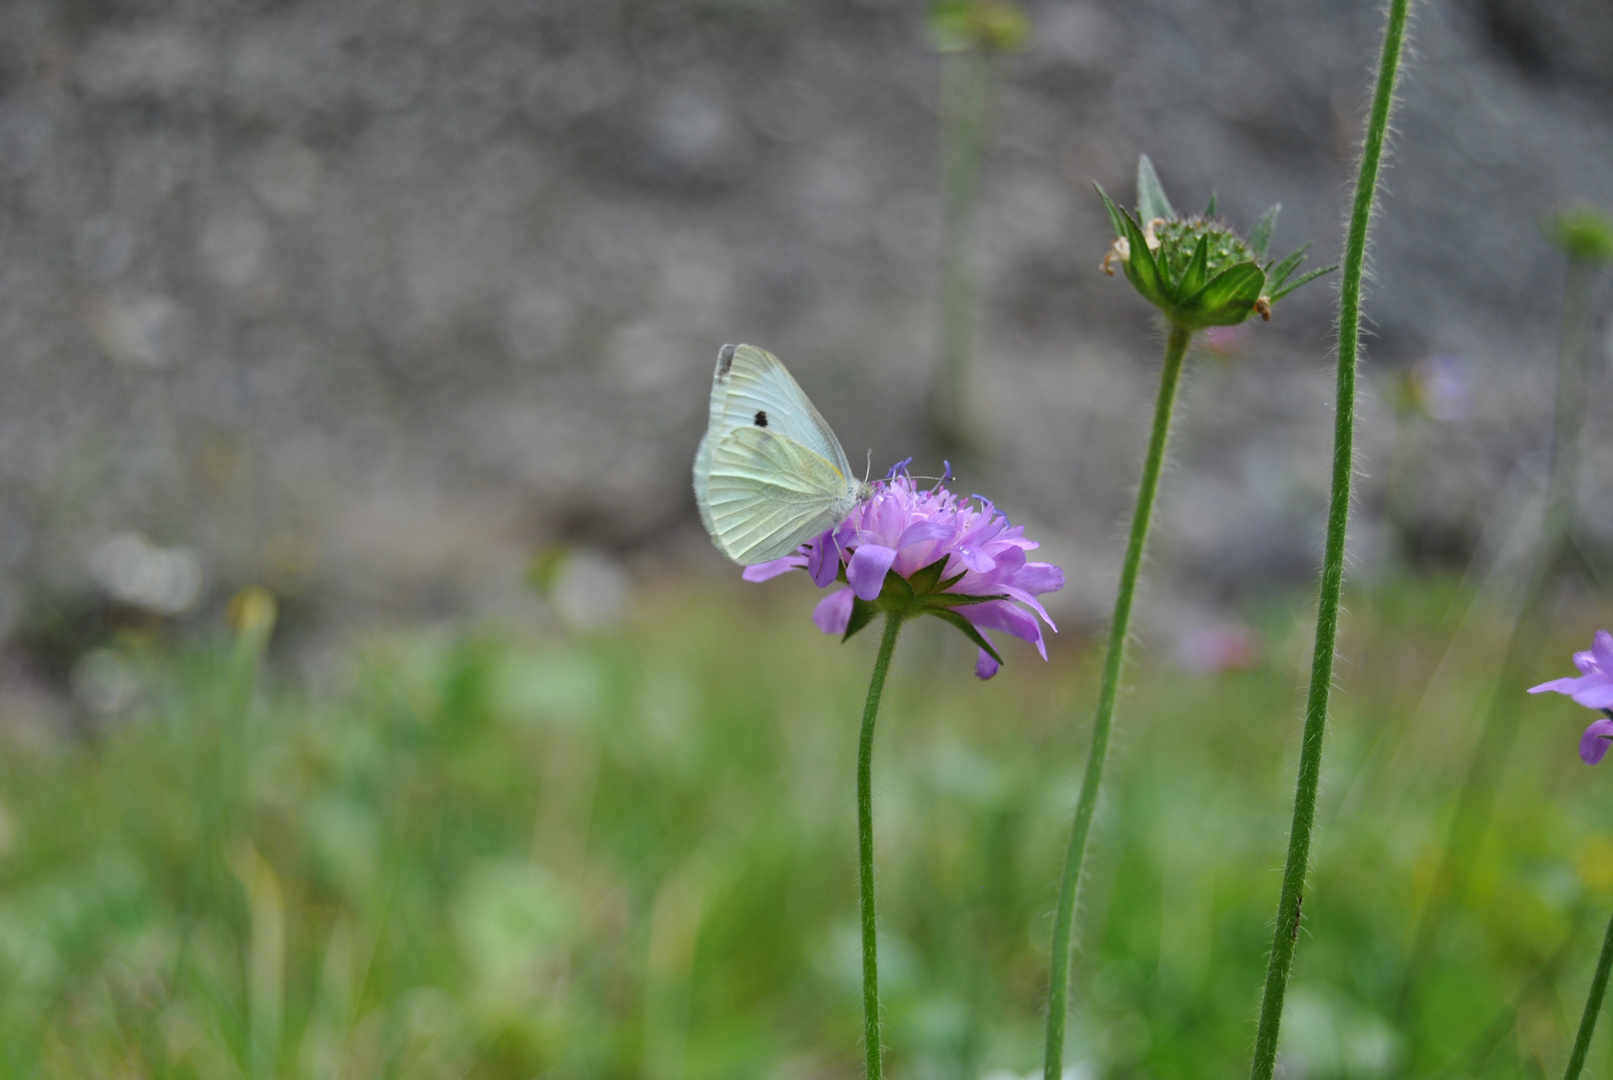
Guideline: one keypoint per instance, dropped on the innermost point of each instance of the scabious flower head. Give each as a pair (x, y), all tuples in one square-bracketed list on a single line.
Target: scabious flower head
[(912, 551), (1197, 269), (1594, 690)]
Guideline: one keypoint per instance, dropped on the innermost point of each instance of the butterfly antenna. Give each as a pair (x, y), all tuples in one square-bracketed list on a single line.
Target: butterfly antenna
[(868, 469)]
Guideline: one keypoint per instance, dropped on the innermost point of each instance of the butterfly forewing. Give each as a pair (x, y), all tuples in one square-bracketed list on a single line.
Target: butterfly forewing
[(762, 393)]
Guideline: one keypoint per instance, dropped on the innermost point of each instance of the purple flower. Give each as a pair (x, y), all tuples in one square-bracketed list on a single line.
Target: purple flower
[(914, 551), (1594, 690)]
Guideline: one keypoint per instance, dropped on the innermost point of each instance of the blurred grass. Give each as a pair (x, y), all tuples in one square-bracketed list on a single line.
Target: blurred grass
[(492, 855)]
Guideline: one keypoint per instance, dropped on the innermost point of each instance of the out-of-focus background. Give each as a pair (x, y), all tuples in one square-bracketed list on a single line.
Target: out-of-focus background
[(405, 314)]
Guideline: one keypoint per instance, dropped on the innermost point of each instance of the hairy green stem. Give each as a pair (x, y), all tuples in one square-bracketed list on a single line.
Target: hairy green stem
[(1059, 983), (865, 844), (1593, 1007), (1285, 934)]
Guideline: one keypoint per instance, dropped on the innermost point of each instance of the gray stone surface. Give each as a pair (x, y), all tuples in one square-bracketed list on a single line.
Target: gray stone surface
[(371, 301)]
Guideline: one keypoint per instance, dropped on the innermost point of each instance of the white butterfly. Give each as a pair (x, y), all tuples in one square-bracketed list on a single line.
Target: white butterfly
[(770, 474)]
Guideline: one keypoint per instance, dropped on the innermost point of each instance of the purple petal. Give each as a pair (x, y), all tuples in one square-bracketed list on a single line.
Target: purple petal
[(1602, 649), (920, 531), (833, 612), (1594, 691), (768, 570), (976, 560), (1001, 615), (1593, 744), (1031, 602), (866, 571), (985, 666), (1585, 661), (1010, 558), (1598, 694), (824, 561), (1557, 686), (1039, 577)]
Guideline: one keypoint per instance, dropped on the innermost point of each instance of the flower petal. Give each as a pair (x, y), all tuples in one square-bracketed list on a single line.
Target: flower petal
[(1602, 649), (1597, 694), (1593, 744), (1559, 686), (1016, 593), (1001, 615), (833, 613), (976, 560), (769, 570), (920, 531), (1039, 577), (866, 571), (824, 561), (985, 666)]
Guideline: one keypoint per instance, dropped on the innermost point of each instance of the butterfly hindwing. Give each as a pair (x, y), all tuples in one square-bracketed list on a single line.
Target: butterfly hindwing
[(767, 494)]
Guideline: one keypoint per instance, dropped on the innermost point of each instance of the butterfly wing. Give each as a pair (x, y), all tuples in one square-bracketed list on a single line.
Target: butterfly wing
[(786, 480), (716, 430), (759, 386), (767, 494)]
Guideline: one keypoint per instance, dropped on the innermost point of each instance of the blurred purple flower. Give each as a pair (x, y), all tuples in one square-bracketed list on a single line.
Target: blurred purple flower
[(964, 564), (1594, 690), (1226, 340), (1442, 386)]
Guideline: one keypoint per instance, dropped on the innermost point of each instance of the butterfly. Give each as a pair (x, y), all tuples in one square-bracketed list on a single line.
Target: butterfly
[(770, 474)]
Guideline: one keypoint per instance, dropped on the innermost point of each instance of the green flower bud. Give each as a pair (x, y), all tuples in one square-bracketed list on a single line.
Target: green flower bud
[(1197, 269), (1584, 232), (987, 25)]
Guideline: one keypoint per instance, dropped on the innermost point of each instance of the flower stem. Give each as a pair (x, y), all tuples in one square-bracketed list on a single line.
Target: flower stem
[(1593, 1007), (1059, 985), (865, 844), (1285, 934)]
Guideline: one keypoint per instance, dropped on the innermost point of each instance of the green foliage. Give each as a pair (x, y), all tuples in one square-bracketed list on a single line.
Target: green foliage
[(497, 857), (1197, 270), (1151, 200), (1583, 232), (984, 25)]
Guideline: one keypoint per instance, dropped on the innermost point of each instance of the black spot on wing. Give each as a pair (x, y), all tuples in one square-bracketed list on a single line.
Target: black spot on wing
[(761, 418), (725, 361)]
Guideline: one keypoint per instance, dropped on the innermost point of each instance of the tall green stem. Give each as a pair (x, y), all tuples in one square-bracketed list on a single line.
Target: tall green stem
[(1593, 1007), (1286, 932), (1059, 987), (865, 844)]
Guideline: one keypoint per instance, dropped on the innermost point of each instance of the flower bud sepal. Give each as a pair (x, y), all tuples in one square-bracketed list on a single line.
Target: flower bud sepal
[(923, 593), (1197, 270)]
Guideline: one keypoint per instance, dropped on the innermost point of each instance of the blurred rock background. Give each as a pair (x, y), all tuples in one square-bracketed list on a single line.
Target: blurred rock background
[(375, 303)]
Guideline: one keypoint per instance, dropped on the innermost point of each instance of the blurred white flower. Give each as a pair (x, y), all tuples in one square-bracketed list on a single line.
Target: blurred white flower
[(589, 590), (103, 682), (164, 581)]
